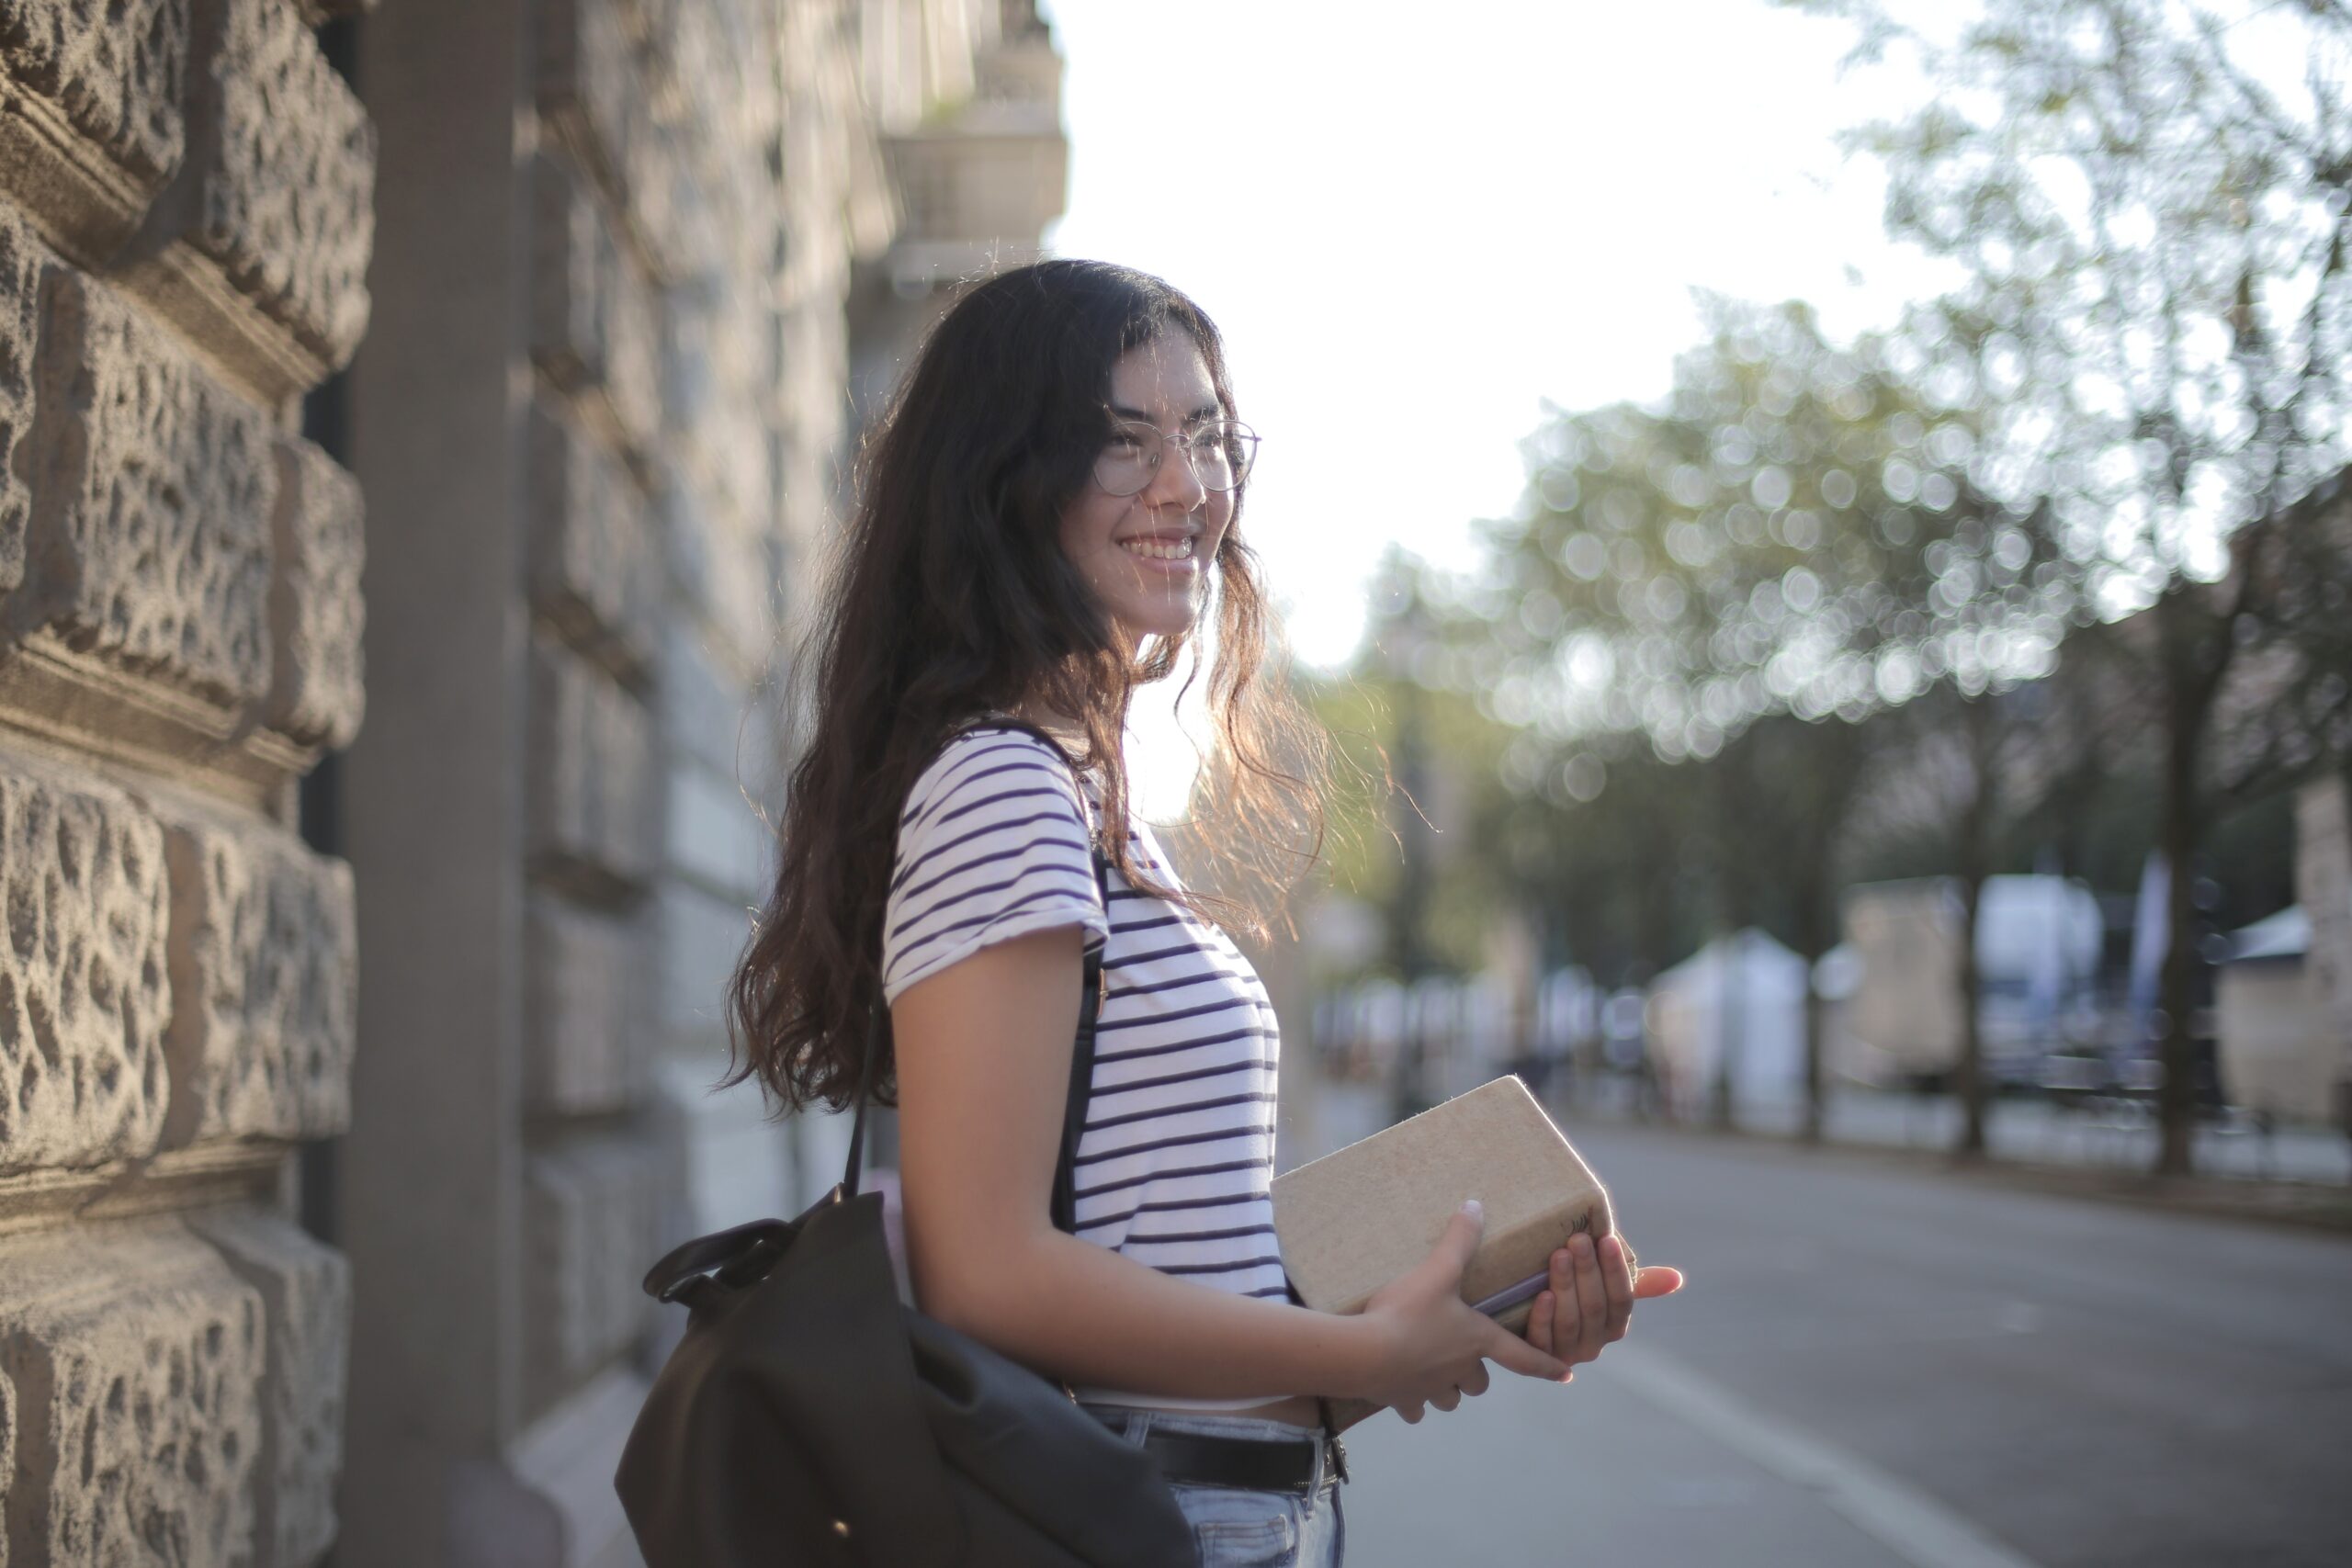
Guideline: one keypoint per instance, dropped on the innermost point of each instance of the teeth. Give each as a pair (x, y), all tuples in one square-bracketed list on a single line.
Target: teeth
[(1153, 549)]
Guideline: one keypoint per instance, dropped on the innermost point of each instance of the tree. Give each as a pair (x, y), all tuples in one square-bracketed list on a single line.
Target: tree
[(1794, 531), (2149, 201)]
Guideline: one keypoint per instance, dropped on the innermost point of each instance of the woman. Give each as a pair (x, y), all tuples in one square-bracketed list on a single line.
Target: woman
[(1048, 513)]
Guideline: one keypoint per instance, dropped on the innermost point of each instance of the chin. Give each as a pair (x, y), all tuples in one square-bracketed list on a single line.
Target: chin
[(1159, 621)]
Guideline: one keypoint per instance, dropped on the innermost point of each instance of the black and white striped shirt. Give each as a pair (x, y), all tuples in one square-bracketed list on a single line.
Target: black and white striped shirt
[(1177, 1150)]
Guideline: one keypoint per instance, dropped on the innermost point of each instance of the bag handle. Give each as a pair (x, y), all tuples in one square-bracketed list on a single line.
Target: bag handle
[(1064, 1204)]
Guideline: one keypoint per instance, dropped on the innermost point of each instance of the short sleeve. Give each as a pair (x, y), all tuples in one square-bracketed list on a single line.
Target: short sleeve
[(993, 844)]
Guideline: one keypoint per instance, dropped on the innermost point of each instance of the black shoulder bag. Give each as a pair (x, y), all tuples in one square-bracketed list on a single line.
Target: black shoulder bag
[(809, 1416)]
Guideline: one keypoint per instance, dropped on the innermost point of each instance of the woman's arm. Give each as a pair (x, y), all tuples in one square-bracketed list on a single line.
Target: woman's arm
[(983, 1058)]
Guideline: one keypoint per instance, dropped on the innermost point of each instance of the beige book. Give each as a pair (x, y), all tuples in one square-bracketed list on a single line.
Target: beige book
[(1356, 1219)]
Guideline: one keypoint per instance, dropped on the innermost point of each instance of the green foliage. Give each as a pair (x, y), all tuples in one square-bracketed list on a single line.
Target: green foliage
[(2151, 203), (1795, 529), (1418, 782)]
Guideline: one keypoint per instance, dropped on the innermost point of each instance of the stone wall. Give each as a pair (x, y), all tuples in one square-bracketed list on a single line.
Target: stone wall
[(186, 218)]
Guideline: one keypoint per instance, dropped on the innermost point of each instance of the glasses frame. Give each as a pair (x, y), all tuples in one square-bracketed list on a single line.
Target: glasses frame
[(1241, 435)]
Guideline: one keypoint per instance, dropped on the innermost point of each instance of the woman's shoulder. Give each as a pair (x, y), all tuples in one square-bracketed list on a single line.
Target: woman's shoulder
[(994, 844), (990, 762)]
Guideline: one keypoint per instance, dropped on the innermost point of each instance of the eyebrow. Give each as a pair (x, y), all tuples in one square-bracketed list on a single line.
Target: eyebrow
[(1206, 410)]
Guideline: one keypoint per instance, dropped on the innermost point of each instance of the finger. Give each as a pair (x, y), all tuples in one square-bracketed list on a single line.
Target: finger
[(1539, 1323), (1592, 1303), (1617, 1285), (1657, 1279), (1565, 1312), (1459, 1240), (1516, 1354), (1476, 1382), (1411, 1413), (1449, 1399)]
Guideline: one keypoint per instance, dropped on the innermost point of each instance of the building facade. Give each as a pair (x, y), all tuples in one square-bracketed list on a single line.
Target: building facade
[(2324, 888), (355, 1072)]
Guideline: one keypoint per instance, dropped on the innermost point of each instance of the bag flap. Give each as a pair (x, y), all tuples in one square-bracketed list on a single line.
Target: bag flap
[(1026, 1443)]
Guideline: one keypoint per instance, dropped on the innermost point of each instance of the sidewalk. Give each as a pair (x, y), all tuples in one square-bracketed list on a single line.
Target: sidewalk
[(2036, 1132)]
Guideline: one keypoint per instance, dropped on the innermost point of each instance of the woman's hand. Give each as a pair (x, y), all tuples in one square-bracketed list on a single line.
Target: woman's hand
[(1435, 1348), (1590, 1298)]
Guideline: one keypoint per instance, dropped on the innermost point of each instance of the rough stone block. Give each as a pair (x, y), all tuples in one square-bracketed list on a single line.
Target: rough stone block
[(726, 571), (84, 989), (590, 1212), (586, 1018), (288, 206), (593, 567), (317, 534), (719, 409), (305, 1291), (589, 85), (23, 260), (633, 314), (150, 540), (742, 602), (131, 1364), (593, 778), (715, 835), (706, 712), (594, 322), (701, 937), (265, 965), (91, 128)]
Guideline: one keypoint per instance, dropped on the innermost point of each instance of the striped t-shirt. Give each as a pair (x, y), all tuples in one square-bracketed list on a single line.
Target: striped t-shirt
[(1177, 1154)]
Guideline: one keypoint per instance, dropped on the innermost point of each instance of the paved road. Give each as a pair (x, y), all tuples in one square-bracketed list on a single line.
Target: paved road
[(1876, 1367)]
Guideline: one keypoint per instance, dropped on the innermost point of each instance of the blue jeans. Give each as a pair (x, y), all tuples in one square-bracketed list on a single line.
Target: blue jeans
[(1236, 1528)]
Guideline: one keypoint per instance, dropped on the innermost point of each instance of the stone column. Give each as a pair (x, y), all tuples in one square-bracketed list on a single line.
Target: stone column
[(569, 413)]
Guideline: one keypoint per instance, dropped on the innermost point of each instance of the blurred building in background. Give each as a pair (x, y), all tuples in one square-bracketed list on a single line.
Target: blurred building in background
[(2323, 888), (348, 1092)]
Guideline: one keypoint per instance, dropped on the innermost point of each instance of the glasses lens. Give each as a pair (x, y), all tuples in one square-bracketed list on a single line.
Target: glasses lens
[(1226, 459), (1127, 461)]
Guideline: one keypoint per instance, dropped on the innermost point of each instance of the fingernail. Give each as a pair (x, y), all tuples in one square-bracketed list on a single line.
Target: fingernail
[(1583, 1244), (1475, 1209)]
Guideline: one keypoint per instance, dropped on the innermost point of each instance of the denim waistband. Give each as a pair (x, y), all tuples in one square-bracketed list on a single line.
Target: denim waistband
[(1135, 1423)]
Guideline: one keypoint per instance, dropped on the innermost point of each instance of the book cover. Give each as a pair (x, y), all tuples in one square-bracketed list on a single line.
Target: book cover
[(1358, 1218)]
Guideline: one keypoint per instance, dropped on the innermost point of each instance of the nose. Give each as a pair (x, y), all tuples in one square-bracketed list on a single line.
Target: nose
[(1176, 484)]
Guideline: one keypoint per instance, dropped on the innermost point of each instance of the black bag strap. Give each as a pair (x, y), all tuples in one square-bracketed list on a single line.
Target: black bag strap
[(1064, 1207)]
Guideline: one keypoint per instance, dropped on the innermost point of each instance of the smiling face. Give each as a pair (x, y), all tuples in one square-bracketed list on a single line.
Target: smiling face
[(1145, 556)]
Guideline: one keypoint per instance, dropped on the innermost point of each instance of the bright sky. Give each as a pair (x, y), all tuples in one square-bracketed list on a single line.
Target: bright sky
[(1414, 233)]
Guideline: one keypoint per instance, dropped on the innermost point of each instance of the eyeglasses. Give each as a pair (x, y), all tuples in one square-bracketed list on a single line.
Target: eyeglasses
[(1219, 450)]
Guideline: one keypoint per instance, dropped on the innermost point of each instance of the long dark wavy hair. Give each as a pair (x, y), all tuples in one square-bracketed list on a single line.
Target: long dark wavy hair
[(951, 599)]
